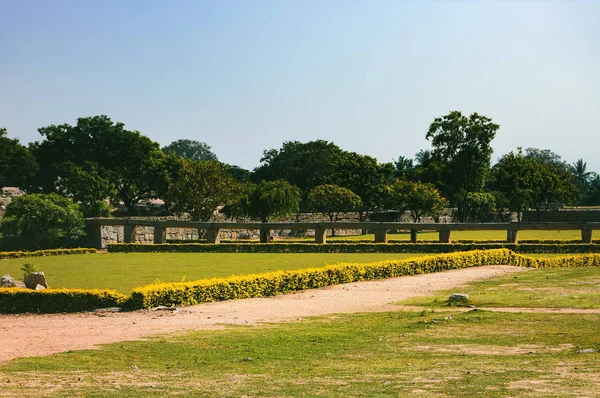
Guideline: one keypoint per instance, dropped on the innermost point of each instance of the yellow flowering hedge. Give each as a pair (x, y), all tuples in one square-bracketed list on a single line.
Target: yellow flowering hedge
[(269, 284)]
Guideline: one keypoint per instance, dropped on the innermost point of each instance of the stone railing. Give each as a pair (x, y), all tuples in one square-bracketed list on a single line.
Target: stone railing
[(95, 239)]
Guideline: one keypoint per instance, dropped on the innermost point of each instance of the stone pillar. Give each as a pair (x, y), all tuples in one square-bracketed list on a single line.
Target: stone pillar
[(320, 235), (265, 235), (446, 236), (94, 236), (381, 236), (413, 236), (159, 234), (212, 235), (512, 236), (586, 235), (129, 233)]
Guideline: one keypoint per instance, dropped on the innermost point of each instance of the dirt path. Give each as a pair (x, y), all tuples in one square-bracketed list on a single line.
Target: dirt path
[(33, 335)]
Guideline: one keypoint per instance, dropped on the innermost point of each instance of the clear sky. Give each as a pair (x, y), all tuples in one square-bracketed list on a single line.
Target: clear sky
[(246, 75)]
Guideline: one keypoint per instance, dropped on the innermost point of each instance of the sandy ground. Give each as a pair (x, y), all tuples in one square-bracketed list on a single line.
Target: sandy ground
[(33, 335)]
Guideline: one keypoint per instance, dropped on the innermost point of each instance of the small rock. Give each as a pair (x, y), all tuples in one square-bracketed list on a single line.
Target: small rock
[(587, 351), (458, 298), (34, 279), (9, 281), (164, 308), (39, 287)]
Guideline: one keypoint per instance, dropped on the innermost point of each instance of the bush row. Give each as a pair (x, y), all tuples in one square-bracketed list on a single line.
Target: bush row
[(353, 247), (404, 241), (269, 284), (57, 300), (41, 253)]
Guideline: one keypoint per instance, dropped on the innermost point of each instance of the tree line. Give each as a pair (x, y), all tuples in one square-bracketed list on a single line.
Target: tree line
[(98, 161)]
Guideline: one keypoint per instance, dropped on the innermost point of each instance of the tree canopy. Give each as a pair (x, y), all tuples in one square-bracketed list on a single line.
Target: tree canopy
[(17, 164), (200, 187), (462, 149), (305, 165), (100, 154), (37, 221), (190, 149)]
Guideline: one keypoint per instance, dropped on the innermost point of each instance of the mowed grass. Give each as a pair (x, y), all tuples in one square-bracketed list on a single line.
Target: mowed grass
[(543, 288), (438, 354), (468, 235), (124, 271)]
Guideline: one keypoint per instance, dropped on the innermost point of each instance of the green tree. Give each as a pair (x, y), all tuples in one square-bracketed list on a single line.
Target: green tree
[(132, 164), (421, 199), (266, 201), (190, 149), (551, 184), (462, 150), (366, 177), (581, 176), (480, 206), (545, 156), (511, 177), (305, 165), (525, 183), (405, 168), (16, 162), (200, 187), (331, 200), (592, 194), (239, 173), (37, 221)]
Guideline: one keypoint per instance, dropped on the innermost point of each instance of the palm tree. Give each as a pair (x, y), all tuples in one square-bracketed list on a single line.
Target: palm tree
[(581, 176)]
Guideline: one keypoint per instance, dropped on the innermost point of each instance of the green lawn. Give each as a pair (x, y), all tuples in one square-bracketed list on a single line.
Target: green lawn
[(124, 271), (432, 353), (364, 355), (468, 235), (549, 288)]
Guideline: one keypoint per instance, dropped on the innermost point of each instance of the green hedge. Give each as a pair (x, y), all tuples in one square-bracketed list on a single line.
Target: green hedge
[(41, 253), (57, 300), (352, 247), (402, 241), (269, 284)]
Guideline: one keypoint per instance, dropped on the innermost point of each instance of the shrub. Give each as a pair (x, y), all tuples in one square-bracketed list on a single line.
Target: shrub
[(57, 300), (42, 253), (269, 284), (352, 247), (37, 221)]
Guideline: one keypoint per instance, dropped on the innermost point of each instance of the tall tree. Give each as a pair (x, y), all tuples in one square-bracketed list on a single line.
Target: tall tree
[(366, 177), (190, 149), (421, 199), (133, 164), (581, 176), (462, 148), (305, 165), (16, 161), (331, 200), (266, 201), (200, 187)]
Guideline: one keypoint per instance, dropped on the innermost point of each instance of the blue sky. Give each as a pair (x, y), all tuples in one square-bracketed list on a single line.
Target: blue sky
[(244, 76)]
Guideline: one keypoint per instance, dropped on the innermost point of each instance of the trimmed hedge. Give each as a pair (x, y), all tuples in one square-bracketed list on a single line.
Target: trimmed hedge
[(42, 253), (14, 300), (269, 284), (351, 247), (404, 241)]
